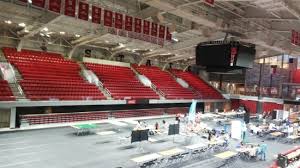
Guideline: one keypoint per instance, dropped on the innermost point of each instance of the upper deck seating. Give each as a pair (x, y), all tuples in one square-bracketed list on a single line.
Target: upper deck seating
[(203, 88), (50, 76), (166, 83), (121, 82)]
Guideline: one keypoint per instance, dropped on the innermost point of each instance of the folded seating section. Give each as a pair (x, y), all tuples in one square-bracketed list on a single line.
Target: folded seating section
[(165, 83), (5, 91), (177, 110), (121, 82), (64, 118), (137, 113), (204, 89), (50, 76)]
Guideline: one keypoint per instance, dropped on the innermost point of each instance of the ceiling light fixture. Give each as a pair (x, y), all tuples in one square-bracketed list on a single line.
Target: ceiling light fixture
[(175, 39), (62, 33), (30, 1), (42, 34), (7, 21), (45, 29), (77, 35), (26, 30), (90, 17), (22, 24)]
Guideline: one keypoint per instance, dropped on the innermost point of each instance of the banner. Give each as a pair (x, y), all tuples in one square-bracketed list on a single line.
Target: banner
[(210, 2), (128, 23), (108, 18), (118, 20), (55, 6), (154, 29), (192, 111), (39, 3), (146, 27), (137, 25), (296, 38), (168, 35), (83, 11), (70, 7), (96, 14), (161, 33)]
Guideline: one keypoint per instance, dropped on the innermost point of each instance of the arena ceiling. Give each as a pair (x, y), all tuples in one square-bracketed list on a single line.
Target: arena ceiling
[(266, 23)]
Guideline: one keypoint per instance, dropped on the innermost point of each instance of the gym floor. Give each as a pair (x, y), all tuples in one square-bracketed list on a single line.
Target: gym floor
[(61, 148)]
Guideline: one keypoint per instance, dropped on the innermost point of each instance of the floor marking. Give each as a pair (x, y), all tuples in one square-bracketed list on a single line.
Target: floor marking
[(152, 140), (131, 121), (117, 123), (20, 142), (106, 133), (13, 149), (19, 163)]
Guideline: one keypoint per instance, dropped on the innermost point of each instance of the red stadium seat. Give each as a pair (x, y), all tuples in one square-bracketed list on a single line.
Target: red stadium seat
[(205, 90), (50, 76), (166, 83), (121, 82), (5, 91)]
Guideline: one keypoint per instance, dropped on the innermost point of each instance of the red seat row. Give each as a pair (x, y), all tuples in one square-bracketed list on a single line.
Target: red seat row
[(64, 118), (49, 76), (5, 91), (121, 82), (204, 89), (165, 83)]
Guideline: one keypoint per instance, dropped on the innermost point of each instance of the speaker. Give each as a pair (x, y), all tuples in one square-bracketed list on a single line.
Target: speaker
[(291, 60)]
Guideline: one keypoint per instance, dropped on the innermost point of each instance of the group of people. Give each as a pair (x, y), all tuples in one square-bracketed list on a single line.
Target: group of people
[(152, 129), (255, 150)]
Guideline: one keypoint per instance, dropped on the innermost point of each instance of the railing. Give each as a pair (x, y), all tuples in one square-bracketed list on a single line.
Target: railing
[(273, 92)]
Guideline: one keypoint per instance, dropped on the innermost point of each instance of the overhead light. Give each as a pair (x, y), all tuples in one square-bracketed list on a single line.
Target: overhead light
[(45, 29), (62, 33), (191, 57), (47, 35), (42, 34), (26, 30), (121, 45), (29, 1), (169, 53), (90, 17), (127, 49), (22, 24), (175, 39), (7, 21), (77, 35)]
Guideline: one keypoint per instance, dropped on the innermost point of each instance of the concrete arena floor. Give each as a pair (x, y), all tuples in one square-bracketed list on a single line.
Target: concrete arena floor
[(60, 148)]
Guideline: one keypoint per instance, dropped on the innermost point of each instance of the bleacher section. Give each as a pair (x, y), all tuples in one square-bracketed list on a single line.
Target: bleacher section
[(63, 118), (205, 90), (165, 83), (121, 82), (49, 76), (137, 113), (5, 91)]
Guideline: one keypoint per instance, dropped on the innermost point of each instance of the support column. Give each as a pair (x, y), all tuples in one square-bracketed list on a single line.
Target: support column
[(13, 117)]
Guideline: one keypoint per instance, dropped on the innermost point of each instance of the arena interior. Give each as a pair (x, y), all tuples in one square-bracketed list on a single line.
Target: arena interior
[(149, 83)]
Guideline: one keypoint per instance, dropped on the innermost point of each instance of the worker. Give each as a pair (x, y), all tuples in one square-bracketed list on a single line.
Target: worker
[(262, 151)]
